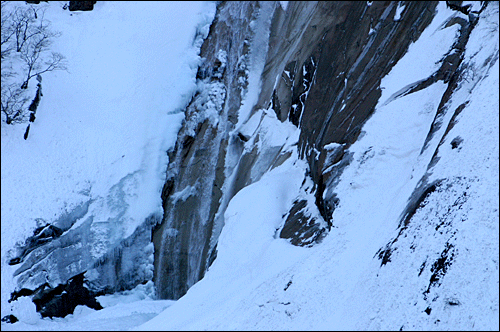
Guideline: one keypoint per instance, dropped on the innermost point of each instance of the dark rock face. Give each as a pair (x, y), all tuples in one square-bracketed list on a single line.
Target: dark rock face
[(11, 319), (322, 72), (81, 5), (61, 300), (300, 227), (330, 76)]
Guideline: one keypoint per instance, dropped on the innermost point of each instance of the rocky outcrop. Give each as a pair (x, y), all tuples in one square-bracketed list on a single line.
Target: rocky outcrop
[(11, 319), (184, 242), (61, 300), (329, 78), (65, 249), (322, 71), (445, 203), (81, 5)]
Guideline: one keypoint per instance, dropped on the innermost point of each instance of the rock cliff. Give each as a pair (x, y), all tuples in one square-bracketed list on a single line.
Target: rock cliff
[(286, 82), (321, 71)]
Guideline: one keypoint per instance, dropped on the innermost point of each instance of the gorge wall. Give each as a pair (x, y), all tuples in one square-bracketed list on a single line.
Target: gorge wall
[(312, 70), (322, 70)]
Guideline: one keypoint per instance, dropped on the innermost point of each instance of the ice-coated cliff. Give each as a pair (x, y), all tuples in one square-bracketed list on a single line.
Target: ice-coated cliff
[(366, 101), (336, 167)]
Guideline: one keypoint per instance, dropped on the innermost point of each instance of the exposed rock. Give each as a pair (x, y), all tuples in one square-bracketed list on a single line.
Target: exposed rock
[(322, 72), (300, 228), (457, 5), (455, 143), (62, 300), (330, 77), (11, 319), (81, 5), (40, 236), (321, 76), (58, 251), (186, 240), (26, 133)]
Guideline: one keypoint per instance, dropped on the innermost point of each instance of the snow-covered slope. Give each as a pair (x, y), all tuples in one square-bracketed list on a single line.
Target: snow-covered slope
[(94, 162), (395, 224)]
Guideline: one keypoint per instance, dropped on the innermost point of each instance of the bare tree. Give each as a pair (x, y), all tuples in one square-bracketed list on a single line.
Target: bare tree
[(32, 61), (13, 104), (33, 41), (7, 32), (25, 40), (31, 56)]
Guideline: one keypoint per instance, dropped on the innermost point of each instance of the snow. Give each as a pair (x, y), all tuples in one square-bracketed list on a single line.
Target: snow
[(249, 250), (121, 312), (259, 281), (414, 69), (104, 126), (399, 10), (475, 6), (284, 5)]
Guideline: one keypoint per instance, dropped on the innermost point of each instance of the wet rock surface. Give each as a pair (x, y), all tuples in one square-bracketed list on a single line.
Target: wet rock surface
[(302, 229), (330, 78), (322, 72)]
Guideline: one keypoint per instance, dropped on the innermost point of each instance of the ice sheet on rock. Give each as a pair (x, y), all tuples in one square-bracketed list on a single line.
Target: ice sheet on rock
[(94, 164), (257, 57), (340, 284)]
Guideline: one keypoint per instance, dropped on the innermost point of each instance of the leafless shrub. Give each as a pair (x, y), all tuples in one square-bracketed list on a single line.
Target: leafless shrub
[(14, 100), (26, 38)]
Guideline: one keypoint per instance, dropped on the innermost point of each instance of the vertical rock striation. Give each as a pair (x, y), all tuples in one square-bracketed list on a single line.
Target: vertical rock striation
[(329, 84), (195, 175), (322, 72)]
